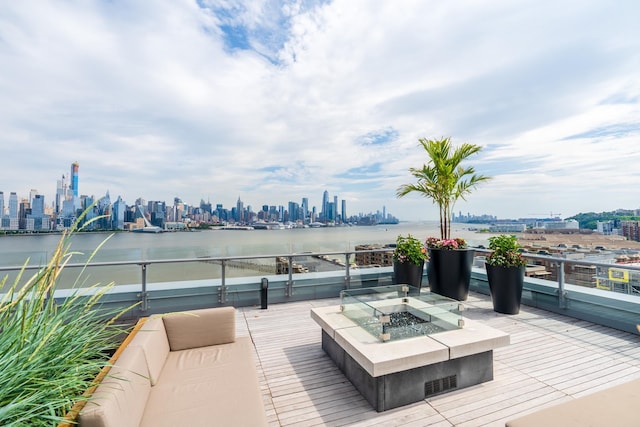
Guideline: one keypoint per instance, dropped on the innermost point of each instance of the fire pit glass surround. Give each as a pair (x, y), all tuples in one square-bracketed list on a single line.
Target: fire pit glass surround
[(397, 312)]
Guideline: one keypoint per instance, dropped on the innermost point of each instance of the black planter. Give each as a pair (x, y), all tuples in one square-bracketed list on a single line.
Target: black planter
[(505, 285), (449, 272), (408, 273)]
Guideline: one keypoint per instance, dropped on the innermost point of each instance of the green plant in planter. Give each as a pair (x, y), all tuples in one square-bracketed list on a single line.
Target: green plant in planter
[(409, 250), (506, 252), (51, 350), (505, 273)]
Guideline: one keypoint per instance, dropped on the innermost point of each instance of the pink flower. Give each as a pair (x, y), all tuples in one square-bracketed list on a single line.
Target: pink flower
[(435, 243)]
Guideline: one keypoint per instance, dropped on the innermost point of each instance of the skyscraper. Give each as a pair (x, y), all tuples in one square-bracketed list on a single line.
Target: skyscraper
[(118, 213), (14, 223), (37, 206), (325, 206), (1, 204), (239, 211), (61, 193), (13, 205), (305, 208), (74, 179)]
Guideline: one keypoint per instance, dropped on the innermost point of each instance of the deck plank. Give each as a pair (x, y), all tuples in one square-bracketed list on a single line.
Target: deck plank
[(551, 359)]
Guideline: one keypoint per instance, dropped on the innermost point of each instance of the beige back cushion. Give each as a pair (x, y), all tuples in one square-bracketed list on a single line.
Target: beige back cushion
[(120, 400), (152, 338), (200, 328)]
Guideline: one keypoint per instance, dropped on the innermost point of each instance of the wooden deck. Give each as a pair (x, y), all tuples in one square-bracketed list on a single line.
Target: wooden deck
[(551, 359)]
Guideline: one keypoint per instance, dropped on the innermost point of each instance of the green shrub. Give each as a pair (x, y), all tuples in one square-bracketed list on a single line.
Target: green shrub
[(51, 351), (506, 251), (409, 249)]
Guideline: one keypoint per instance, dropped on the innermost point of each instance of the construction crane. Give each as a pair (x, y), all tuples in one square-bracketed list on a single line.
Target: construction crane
[(551, 214)]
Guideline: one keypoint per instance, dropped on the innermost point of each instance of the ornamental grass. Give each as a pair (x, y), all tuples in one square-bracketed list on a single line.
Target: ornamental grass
[(52, 349)]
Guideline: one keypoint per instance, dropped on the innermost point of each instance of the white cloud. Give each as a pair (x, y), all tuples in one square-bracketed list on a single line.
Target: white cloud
[(154, 100)]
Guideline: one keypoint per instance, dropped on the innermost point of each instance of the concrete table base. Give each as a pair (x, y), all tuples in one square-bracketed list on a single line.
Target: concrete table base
[(402, 388)]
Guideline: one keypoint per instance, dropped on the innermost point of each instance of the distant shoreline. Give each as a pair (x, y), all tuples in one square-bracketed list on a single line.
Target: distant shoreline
[(587, 241)]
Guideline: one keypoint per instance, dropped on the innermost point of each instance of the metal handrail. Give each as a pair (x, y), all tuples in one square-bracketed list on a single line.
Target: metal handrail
[(289, 291)]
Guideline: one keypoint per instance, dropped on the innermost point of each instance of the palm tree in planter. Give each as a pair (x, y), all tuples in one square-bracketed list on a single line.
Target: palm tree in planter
[(444, 180), (409, 256), (505, 272)]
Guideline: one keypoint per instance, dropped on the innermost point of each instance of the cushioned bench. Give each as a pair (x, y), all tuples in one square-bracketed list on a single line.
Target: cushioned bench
[(181, 369), (615, 406)]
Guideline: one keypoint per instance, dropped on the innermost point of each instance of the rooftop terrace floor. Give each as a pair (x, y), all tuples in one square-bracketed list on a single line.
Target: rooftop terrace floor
[(551, 359)]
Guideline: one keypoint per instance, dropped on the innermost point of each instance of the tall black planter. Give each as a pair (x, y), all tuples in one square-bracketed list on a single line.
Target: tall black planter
[(408, 273), (449, 272), (505, 285)]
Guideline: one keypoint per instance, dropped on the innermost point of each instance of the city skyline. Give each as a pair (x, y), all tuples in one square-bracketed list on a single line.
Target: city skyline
[(210, 99), (33, 213)]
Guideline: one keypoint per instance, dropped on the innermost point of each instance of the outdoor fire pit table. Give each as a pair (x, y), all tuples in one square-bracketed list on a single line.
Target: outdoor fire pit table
[(398, 345)]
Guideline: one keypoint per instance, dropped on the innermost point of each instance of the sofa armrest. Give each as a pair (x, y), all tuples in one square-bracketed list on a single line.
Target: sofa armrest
[(200, 328)]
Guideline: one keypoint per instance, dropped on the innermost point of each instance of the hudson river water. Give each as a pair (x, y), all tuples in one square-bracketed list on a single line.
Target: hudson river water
[(125, 246)]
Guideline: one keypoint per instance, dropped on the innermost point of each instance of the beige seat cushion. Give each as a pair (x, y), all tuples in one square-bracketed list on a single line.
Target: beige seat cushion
[(615, 406), (152, 338), (208, 386), (200, 328), (120, 400)]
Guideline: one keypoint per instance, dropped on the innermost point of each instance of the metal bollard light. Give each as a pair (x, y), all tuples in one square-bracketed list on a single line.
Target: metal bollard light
[(263, 292)]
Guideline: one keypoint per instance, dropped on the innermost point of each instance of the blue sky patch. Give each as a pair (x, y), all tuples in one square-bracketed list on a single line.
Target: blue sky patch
[(235, 37), (265, 32), (362, 172), (618, 130), (379, 137)]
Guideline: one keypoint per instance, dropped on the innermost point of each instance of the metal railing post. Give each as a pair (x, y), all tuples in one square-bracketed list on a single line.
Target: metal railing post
[(144, 295), (562, 301), (347, 279), (289, 288), (222, 292)]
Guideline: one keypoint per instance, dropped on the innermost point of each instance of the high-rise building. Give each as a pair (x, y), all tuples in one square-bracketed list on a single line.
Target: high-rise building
[(37, 206), (118, 214), (24, 210), (325, 206), (178, 210), (4, 219), (74, 179), (61, 194), (344, 210), (305, 208), (13, 205), (239, 211), (36, 219), (156, 212), (293, 211)]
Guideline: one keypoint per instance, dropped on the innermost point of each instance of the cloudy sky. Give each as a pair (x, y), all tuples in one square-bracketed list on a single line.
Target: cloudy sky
[(272, 101)]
